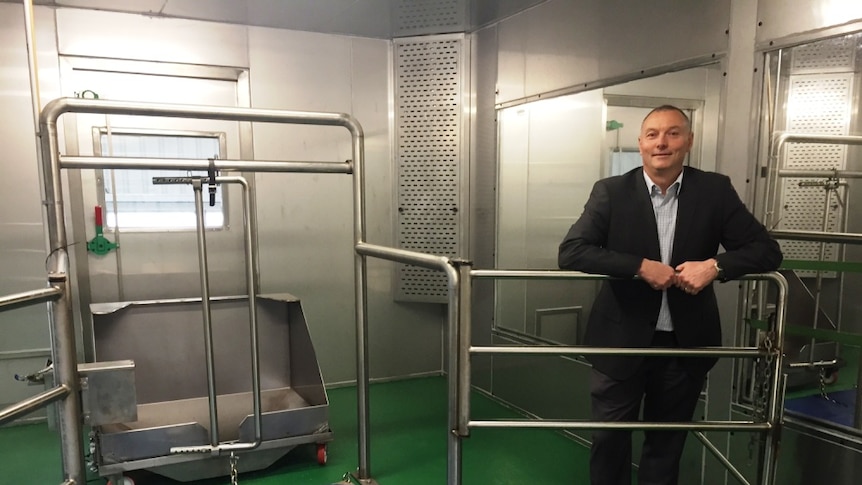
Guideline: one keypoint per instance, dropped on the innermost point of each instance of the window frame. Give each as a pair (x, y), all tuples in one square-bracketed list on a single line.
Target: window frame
[(99, 131)]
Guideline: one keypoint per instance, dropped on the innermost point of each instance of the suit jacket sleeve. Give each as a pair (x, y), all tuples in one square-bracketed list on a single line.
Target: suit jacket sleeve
[(584, 247), (748, 246)]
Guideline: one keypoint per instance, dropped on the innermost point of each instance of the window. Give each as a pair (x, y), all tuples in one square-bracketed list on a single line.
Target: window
[(133, 202)]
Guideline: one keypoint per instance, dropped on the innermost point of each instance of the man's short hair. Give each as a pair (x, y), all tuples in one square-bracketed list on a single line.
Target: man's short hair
[(669, 107)]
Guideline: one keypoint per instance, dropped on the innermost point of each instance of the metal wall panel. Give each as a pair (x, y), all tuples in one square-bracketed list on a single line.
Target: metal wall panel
[(25, 334), (562, 44), (84, 33), (430, 146), (483, 199), (306, 220), (779, 19)]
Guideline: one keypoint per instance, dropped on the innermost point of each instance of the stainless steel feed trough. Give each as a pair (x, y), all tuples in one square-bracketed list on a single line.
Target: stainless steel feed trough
[(174, 412)]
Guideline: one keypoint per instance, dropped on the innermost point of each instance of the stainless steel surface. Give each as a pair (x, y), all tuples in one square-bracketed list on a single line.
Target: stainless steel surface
[(64, 338), (221, 164), (186, 467), (212, 392), (252, 288), (835, 237), (830, 174), (562, 44), (770, 427), (454, 351), (108, 392), (431, 126), (369, 18), (619, 425), (174, 412), (33, 403), (444, 265), (720, 457), (651, 351), (28, 298), (778, 25)]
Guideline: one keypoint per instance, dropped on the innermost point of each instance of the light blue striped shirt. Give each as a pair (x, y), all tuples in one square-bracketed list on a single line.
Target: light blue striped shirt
[(665, 209)]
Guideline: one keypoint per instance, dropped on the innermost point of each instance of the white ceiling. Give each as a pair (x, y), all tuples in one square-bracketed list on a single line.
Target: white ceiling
[(365, 18)]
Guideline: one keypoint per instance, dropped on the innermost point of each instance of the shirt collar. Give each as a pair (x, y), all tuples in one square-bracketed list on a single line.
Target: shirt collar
[(650, 184)]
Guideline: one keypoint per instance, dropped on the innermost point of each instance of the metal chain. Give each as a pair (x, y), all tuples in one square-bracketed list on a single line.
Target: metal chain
[(762, 382), (233, 472)]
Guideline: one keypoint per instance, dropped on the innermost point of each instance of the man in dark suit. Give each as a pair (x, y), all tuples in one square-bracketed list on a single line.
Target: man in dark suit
[(662, 222)]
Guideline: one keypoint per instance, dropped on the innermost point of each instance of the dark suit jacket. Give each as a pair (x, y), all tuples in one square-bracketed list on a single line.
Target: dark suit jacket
[(618, 229)]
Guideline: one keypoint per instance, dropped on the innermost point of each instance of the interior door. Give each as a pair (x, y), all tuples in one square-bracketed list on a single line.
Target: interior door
[(152, 263)]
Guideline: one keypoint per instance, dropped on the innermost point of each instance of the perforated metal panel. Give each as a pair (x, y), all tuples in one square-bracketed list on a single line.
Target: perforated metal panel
[(428, 94), (836, 54), (422, 17), (819, 102)]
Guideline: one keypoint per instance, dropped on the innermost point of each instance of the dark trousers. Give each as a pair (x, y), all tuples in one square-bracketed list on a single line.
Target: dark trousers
[(669, 393)]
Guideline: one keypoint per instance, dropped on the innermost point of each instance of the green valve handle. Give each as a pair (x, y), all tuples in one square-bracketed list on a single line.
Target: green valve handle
[(100, 244)]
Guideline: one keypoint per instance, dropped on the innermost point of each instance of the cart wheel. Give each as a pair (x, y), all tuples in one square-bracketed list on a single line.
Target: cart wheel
[(126, 481), (831, 377), (321, 454)]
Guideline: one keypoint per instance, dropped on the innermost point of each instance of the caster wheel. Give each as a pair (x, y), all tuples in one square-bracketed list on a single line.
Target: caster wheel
[(321, 454), (831, 377), (126, 481)]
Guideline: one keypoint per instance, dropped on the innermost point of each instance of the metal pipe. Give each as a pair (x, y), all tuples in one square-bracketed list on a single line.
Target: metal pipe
[(360, 285), (57, 107), (830, 174), (776, 402), (28, 298), (779, 141), (252, 285), (65, 362), (423, 260), (836, 237), (252, 290), (202, 165), (647, 351), (720, 457), (206, 307), (32, 403), (438, 263), (857, 414), (536, 274), (465, 324), (63, 341), (454, 450), (620, 425)]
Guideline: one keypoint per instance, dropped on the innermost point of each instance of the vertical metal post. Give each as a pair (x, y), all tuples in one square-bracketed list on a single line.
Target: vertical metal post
[(776, 398), (453, 456), (361, 295), (460, 322), (207, 313), (63, 350), (251, 265)]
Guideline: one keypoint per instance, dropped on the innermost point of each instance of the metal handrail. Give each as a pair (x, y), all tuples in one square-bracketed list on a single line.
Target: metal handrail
[(459, 277), (63, 350), (28, 298), (771, 425)]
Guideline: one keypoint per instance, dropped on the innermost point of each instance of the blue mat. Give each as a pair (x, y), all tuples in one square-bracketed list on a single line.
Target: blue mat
[(837, 409)]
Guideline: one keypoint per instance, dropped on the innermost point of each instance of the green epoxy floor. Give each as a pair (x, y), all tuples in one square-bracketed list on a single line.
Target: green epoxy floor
[(408, 446)]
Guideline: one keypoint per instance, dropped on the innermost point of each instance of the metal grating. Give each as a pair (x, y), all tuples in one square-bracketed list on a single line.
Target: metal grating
[(423, 17), (838, 54), (428, 96), (819, 102)]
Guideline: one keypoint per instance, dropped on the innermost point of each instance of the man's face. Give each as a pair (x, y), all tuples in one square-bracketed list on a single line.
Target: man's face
[(664, 141)]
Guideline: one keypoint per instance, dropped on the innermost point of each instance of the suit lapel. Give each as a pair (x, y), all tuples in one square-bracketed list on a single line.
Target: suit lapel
[(646, 224)]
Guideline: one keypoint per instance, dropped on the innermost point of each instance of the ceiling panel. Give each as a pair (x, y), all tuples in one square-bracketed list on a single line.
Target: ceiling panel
[(365, 18)]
